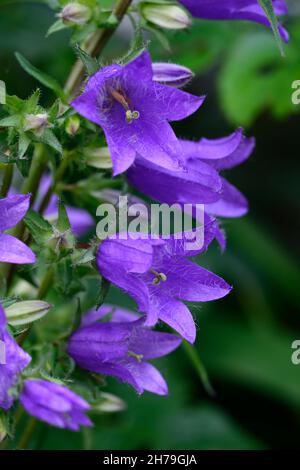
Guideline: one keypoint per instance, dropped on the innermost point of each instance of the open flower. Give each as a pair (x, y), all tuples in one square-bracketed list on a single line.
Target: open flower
[(158, 276), (12, 361), (134, 112), (55, 404), (249, 10), (123, 349), (199, 182), (12, 210)]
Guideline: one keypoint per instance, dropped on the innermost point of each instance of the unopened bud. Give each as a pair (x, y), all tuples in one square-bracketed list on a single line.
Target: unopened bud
[(108, 403), (3, 430), (75, 14), (36, 123), (171, 74), (28, 311), (166, 16), (72, 125), (99, 158)]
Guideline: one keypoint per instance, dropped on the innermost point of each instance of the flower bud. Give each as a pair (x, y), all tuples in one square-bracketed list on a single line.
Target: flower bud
[(166, 16), (75, 14), (36, 123), (108, 403), (99, 158), (28, 311), (3, 430), (72, 125), (171, 74)]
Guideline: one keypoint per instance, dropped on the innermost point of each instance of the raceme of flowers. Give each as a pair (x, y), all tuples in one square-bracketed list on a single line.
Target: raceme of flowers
[(133, 103)]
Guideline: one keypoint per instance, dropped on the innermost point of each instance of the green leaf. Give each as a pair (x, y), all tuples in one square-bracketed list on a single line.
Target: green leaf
[(55, 27), (24, 143), (42, 77), (267, 5), (2, 92), (49, 138), (63, 223), (32, 102), (39, 228), (104, 288), (91, 64), (11, 121)]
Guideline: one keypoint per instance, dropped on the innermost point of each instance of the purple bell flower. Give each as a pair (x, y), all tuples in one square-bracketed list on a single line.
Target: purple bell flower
[(134, 112), (158, 276), (123, 349), (171, 74), (198, 182), (249, 10), (54, 404), (12, 361), (12, 210)]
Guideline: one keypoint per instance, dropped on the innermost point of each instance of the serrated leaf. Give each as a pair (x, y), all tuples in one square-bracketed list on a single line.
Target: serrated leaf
[(267, 5), (55, 27), (24, 143), (49, 138), (91, 64), (2, 92), (11, 121), (32, 102), (39, 228), (63, 223), (104, 288), (25, 312), (42, 77)]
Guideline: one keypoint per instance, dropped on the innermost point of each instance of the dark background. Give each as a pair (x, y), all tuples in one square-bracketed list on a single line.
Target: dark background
[(245, 340)]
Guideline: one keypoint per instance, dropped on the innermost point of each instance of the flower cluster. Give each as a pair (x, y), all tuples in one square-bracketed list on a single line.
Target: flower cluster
[(133, 102)]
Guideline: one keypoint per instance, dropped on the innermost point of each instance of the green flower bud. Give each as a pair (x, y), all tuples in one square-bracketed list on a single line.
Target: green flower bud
[(72, 125), (166, 16), (36, 123), (75, 14), (99, 158), (28, 311)]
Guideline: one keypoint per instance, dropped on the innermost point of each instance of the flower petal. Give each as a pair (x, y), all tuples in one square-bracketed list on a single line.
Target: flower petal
[(147, 377), (15, 251), (177, 104), (232, 203), (12, 210)]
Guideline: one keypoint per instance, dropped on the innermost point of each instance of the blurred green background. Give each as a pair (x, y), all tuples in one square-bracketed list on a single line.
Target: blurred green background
[(245, 340)]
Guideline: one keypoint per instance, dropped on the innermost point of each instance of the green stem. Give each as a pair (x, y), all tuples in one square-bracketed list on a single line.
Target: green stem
[(57, 178), (7, 179), (31, 184), (199, 367), (95, 46), (25, 438)]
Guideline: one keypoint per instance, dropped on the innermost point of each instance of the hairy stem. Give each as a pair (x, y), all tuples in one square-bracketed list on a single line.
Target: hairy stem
[(95, 46)]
